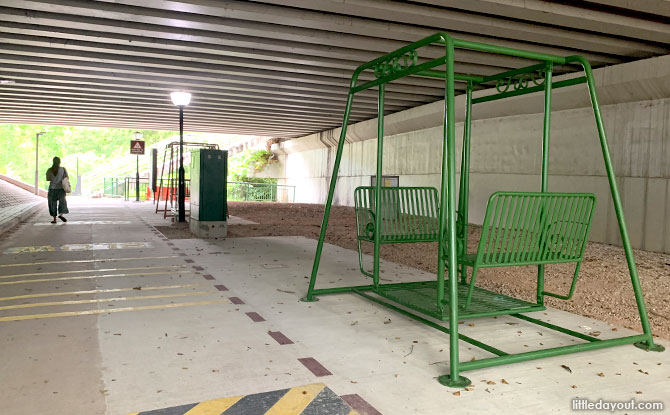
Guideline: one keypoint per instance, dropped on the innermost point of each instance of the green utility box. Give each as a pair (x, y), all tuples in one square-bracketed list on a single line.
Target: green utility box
[(209, 202)]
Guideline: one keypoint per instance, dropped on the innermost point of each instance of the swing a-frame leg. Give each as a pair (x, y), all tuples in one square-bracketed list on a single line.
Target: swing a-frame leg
[(520, 228)]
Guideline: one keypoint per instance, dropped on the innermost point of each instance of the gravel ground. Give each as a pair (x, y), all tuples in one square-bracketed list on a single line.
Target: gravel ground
[(603, 291)]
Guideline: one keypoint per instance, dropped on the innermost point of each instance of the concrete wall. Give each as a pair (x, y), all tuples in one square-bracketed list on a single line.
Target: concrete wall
[(506, 156)]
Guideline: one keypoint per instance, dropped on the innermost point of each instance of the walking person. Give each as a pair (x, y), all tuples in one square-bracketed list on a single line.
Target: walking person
[(56, 196)]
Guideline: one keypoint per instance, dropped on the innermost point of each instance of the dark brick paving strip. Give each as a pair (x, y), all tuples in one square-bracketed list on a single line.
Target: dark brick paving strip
[(314, 366), (255, 317), (280, 337), (360, 405)]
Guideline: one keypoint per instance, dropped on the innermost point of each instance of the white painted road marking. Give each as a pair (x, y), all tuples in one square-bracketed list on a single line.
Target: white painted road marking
[(78, 247), (86, 222)]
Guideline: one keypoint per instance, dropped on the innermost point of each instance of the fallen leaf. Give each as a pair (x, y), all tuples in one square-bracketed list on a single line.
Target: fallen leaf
[(490, 382), (601, 374), (566, 368), (137, 288), (457, 393), (504, 381), (574, 386), (642, 371)]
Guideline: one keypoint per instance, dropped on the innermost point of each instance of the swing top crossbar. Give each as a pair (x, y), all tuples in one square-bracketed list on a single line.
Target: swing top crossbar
[(405, 62)]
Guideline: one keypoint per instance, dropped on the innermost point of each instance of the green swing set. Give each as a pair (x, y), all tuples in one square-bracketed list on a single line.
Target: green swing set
[(519, 228)]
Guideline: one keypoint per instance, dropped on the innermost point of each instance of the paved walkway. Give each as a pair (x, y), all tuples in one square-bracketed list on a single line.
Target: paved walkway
[(104, 315)]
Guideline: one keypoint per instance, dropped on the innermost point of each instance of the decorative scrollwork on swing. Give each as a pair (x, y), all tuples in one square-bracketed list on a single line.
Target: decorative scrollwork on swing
[(396, 64), (521, 81)]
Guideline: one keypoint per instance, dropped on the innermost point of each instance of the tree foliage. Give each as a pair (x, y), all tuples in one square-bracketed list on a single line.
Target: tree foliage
[(101, 152), (249, 161), (90, 146)]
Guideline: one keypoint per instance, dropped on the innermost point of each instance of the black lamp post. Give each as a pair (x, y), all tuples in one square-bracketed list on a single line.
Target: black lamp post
[(181, 99)]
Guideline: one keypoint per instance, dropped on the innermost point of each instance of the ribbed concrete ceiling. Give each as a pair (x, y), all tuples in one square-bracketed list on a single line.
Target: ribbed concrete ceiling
[(275, 67)]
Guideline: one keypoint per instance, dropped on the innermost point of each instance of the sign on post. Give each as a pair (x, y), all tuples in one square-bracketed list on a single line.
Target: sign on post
[(137, 147)]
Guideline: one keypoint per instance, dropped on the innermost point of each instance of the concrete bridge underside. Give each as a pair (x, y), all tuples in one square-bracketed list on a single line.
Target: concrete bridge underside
[(275, 67)]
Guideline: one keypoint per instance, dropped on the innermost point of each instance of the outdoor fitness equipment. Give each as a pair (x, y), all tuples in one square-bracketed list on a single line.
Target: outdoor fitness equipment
[(520, 228), (168, 189)]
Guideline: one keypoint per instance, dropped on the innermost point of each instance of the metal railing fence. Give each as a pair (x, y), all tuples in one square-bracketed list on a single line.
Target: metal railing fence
[(260, 192)]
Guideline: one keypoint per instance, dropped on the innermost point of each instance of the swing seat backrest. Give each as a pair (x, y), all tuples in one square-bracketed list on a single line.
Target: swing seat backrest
[(527, 228), (408, 214)]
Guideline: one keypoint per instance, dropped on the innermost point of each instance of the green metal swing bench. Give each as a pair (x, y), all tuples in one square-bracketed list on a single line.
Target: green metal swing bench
[(519, 228)]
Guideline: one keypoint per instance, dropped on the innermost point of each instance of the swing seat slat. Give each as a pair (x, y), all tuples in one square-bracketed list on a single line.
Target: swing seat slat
[(409, 214)]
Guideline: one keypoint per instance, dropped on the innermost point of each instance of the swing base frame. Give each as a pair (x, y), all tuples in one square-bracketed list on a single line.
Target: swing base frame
[(500, 357)]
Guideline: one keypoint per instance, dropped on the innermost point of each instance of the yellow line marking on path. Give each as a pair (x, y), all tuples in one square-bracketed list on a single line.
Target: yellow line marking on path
[(81, 261), (87, 277), (87, 270), (103, 300), (296, 400), (213, 407), (112, 310), (113, 290)]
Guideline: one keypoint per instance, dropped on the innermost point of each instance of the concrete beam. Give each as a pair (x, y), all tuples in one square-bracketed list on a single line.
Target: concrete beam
[(69, 72), (575, 16), (238, 12), (229, 103), (199, 114), (635, 81), (363, 33)]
